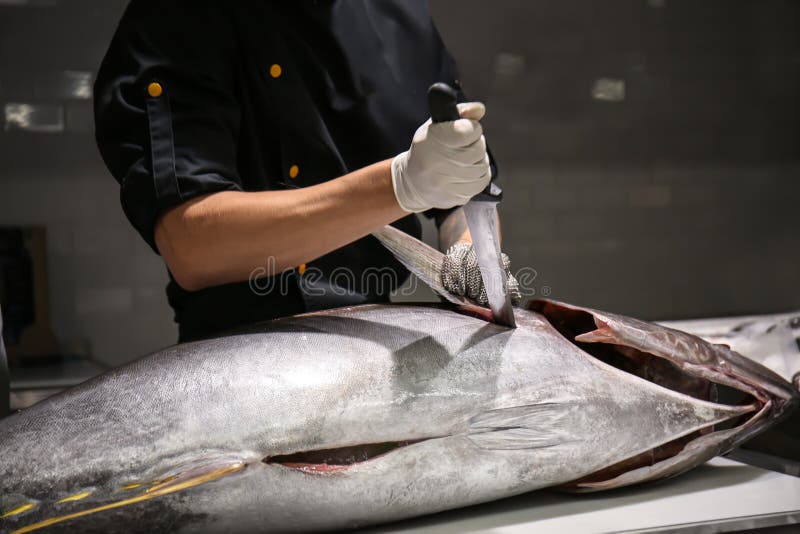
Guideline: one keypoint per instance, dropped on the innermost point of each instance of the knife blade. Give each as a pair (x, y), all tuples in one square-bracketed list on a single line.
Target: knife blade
[(481, 215)]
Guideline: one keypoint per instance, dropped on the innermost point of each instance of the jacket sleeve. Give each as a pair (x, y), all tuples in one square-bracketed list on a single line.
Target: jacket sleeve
[(166, 114)]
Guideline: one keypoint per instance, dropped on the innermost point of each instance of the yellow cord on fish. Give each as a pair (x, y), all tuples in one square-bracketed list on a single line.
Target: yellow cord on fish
[(76, 497), (164, 488), (18, 510)]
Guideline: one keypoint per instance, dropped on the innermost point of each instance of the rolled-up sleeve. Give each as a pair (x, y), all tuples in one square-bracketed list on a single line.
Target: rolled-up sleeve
[(166, 113)]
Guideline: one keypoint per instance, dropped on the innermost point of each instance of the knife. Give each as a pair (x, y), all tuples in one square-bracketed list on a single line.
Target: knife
[(481, 214)]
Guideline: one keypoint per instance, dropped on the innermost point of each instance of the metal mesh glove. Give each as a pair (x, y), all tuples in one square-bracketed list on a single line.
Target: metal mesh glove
[(462, 276)]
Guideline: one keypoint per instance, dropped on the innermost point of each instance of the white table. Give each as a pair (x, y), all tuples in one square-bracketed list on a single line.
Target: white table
[(721, 496)]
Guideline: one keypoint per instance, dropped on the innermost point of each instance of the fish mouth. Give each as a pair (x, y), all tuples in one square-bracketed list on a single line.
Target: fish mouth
[(680, 362)]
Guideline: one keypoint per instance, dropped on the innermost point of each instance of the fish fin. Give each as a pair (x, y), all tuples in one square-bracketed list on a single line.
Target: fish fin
[(422, 260), (531, 426), (604, 334), (425, 263)]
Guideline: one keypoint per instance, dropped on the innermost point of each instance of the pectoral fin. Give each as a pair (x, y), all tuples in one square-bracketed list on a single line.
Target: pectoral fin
[(521, 427)]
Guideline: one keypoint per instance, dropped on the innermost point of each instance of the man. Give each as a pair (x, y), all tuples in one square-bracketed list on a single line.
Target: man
[(253, 136)]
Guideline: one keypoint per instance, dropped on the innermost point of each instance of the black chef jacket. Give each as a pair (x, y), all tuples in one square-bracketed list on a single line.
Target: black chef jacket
[(195, 97)]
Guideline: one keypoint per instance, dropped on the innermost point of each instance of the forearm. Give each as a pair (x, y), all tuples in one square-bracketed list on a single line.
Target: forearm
[(454, 228), (224, 237)]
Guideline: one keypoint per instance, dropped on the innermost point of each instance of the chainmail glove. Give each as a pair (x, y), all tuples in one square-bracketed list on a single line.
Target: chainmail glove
[(462, 276)]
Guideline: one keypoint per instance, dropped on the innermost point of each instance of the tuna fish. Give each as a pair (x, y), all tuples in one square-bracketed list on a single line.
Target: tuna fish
[(370, 414)]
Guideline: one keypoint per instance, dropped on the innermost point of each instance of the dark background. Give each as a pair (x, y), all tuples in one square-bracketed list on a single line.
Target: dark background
[(675, 199)]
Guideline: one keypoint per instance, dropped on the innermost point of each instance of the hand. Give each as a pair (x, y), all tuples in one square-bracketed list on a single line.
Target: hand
[(446, 165), (461, 275)]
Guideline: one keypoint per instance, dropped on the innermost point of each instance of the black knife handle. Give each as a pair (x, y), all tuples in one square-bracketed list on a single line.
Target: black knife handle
[(442, 100)]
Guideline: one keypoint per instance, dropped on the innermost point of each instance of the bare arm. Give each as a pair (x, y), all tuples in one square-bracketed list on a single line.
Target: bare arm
[(454, 228), (222, 237)]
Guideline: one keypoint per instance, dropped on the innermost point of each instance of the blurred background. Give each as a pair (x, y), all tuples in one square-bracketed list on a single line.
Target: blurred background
[(649, 151)]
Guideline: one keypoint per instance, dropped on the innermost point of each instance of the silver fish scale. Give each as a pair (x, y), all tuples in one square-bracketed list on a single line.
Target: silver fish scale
[(499, 412)]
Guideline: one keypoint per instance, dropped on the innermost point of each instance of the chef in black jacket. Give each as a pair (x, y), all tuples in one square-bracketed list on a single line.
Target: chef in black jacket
[(257, 145)]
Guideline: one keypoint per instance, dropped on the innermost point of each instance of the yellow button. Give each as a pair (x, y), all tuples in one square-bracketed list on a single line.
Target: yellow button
[(301, 268), (154, 89), (275, 70), (294, 170)]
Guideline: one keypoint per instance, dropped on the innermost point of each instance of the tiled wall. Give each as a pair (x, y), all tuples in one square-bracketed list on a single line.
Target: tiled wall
[(106, 285), (676, 197), (656, 241)]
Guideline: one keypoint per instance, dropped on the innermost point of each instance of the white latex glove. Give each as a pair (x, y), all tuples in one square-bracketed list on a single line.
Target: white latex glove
[(446, 165)]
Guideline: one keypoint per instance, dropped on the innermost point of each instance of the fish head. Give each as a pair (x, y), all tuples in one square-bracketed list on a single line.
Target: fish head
[(683, 363)]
